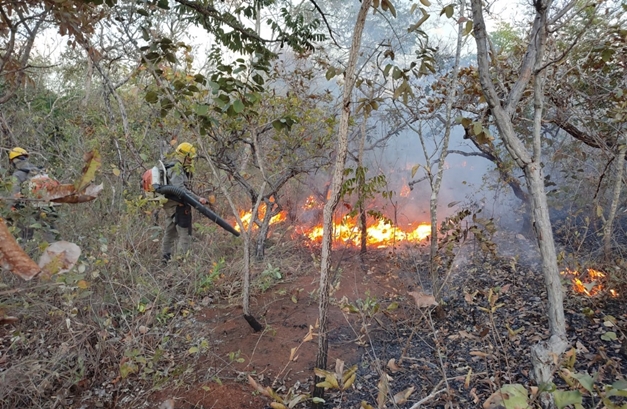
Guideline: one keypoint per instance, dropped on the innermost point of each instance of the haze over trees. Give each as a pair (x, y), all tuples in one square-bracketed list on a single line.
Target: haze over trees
[(299, 110)]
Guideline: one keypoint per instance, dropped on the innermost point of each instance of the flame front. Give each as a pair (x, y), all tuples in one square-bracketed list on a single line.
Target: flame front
[(379, 234), (346, 230)]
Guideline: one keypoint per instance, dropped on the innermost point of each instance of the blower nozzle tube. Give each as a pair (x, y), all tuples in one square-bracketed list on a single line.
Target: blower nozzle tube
[(182, 196)]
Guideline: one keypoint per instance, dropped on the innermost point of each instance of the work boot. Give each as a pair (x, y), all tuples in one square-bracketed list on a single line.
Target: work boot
[(166, 258)]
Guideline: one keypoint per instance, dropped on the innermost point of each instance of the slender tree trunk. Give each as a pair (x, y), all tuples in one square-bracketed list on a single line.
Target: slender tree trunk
[(618, 185), (437, 181), (89, 74), (331, 204), (363, 228), (543, 354)]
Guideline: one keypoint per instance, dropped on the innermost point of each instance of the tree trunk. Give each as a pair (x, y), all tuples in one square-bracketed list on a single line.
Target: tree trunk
[(437, 181), (89, 75), (331, 204), (618, 185), (363, 228), (544, 353)]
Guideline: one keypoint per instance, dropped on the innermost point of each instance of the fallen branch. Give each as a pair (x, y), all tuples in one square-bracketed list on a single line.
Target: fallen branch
[(428, 398)]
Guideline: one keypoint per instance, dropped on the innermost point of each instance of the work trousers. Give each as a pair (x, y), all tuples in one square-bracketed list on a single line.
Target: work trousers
[(175, 234)]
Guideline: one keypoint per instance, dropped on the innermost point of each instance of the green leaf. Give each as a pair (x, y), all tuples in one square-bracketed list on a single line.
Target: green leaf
[(468, 27), (238, 106), (330, 73), (163, 4), (425, 3), (584, 380), (171, 58), (145, 34), (143, 12), (201, 109), (609, 336), (258, 79), (193, 350), (516, 396), (448, 10), (477, 128), (620, 384), (152, 97), (128, 368), (278, 125), (565, 398)]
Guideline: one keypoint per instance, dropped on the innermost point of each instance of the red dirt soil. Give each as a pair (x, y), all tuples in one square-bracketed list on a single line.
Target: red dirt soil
[(287, 311)]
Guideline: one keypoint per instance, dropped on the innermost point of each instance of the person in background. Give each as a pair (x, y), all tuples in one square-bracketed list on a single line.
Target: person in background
[(22, 170), (178, 227), (44, 213)]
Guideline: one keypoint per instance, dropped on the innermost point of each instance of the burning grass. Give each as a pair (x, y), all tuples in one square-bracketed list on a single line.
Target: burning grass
[(381, 233)]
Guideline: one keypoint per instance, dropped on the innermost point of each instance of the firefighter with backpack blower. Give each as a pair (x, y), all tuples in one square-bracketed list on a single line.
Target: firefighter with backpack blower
[(179, 215), (171, 180)]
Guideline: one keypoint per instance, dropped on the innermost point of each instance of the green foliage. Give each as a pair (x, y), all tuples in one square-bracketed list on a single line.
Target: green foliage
[(506, 38), (368, 307), (208, 281), (269, 277), (578, 386), (364, 189)]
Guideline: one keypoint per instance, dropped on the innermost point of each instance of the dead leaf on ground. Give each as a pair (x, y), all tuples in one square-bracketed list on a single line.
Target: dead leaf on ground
[(423, 299), (479, 353), (402, 396), (392, 366), (167, 404), (8, 319)]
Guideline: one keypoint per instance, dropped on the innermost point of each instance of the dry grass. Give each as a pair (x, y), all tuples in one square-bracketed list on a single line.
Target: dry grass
[(81, 334)]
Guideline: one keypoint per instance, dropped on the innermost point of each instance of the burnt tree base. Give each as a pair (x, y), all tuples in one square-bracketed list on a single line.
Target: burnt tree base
[(255, 325)]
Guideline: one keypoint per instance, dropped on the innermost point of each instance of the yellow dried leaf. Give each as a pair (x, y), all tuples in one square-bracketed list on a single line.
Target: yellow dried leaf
[(467, 380), (257, 387), (402, 396), (349, 382), (384, 389), (309, 335)]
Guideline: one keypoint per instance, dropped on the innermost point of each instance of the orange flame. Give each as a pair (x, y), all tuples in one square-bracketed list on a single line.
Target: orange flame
[(588, 284), (379, 234), (247, 216)]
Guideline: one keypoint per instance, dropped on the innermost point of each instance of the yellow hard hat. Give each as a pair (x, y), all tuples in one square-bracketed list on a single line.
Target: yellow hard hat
[(186, 149), (17, 152)]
